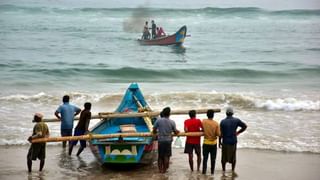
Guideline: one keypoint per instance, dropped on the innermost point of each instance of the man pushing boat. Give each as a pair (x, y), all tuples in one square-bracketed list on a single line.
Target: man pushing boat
[(164, 126)]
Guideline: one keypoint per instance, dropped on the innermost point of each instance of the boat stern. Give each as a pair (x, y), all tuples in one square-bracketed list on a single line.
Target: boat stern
[(124, 153)]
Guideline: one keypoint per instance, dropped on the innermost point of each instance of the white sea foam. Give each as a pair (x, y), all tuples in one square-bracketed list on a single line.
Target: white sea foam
[(288, 104), (177, 99)]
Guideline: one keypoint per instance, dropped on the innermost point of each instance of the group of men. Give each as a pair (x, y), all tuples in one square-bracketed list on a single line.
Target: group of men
[(65, 113), (155, 31), (226, 132)]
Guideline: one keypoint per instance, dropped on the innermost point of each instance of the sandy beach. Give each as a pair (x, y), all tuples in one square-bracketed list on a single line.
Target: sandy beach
[(251, 164)]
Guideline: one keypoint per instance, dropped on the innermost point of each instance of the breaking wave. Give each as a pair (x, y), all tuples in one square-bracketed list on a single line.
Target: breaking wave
[(178, 99)]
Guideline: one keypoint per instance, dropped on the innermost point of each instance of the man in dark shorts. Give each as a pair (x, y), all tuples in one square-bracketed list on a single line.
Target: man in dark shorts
[(229, 133), (193, 143), (66, 113), (82, 128), (164, 127), (153, 30), (37, 150)]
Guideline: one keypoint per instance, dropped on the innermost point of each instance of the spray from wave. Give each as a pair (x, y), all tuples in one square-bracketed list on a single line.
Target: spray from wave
[(135, 23)]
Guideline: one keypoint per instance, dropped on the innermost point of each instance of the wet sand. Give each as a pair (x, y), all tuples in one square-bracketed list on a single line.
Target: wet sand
[(251, 164)]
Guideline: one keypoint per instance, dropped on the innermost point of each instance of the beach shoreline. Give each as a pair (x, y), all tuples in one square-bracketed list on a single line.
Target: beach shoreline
[(251, 164)]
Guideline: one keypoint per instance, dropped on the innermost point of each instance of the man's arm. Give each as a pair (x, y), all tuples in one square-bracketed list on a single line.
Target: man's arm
[(154, 130), (185, 127), (78, 110), (176, 131), (155, 127), (220, 137), (57, 115), (88, 118), (48, 132), (201, 126), (243, 128)]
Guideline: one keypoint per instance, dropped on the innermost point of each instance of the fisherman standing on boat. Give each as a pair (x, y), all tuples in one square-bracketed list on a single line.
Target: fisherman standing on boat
[(66, 113), (164, 127), (82, 128), (153, 29), (145, 33), (37, 150)]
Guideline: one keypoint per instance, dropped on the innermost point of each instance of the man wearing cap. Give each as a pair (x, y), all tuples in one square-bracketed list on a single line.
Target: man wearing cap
[(229, 133), (37, 150)]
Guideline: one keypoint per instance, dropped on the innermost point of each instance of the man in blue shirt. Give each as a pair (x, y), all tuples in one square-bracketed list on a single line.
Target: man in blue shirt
[(229, 133), (66, 113)]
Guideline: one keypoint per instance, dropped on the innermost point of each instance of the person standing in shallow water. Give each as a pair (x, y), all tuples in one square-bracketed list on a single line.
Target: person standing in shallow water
[(229, 133), (164, 127), (82, 128), (211, 131), (193, 143), (66, 113), (37, 150)]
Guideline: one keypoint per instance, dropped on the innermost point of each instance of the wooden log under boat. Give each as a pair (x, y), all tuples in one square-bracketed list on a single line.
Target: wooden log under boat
[(103, 115), (106, 136)]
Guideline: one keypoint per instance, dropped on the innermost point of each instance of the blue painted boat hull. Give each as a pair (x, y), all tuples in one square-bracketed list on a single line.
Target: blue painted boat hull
[(127, 149)]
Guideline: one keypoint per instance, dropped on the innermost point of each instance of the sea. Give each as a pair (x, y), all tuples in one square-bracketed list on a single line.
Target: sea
[(265, 63)]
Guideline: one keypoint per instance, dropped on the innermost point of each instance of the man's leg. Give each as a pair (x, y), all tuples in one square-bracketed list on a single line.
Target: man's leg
[(41, 164), (63, 133), (165, 163), (64, 144), (205, 159), (198, 161), (80, 150), (223, 166), (213, 154), (70, 149), (223, 158), (29, 163), (233, 166), (161, 165), (190, 155)]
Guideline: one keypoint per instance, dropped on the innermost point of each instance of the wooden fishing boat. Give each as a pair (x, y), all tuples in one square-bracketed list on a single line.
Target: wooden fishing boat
[(125, 149), (174, 39)]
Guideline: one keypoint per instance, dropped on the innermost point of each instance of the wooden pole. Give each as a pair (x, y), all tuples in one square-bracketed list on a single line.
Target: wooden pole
[(106, 136), (103, 115), (146, 119)]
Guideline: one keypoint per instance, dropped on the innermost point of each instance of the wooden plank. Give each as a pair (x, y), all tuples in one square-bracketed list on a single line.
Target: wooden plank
[(105, 136), (103, 115)]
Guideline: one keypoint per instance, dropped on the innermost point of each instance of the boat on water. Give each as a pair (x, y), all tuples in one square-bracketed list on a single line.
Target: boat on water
[(126, 150), (174, 39)]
